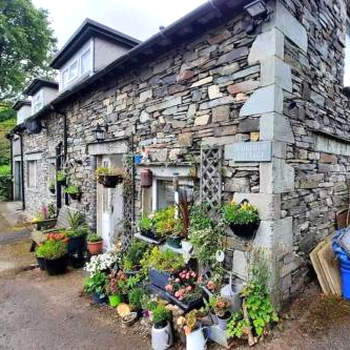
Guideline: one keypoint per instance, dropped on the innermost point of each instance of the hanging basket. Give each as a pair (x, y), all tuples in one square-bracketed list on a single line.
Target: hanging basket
[(52, 190), (110, 181), (246, 231), (75, 196)]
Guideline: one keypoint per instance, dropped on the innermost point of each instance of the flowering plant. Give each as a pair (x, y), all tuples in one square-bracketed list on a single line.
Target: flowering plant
[(189, 322), (184, 286), (103, 262), (113, 285), (243, 213)]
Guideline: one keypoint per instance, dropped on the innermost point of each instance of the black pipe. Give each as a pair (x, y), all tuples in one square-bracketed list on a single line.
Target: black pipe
[(22, 173), (11, 168)]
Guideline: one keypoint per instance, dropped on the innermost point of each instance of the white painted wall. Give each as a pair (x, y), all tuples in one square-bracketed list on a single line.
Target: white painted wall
[(23, 113)]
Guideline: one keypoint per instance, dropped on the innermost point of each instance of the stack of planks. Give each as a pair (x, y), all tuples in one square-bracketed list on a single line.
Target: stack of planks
[(326, 266)]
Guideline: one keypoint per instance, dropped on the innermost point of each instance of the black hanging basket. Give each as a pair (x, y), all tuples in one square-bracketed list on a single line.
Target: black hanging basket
[(75, 196), (52, 190), (110, 181), (246, 231)]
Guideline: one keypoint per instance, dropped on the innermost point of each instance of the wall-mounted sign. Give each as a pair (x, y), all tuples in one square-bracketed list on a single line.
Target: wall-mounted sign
[(249, 151)]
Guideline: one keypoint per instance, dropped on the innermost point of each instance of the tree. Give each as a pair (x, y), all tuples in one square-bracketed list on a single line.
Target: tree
[(27, 44)]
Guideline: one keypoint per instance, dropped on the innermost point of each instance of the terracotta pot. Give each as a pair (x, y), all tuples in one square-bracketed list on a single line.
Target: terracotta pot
[(95, 247)]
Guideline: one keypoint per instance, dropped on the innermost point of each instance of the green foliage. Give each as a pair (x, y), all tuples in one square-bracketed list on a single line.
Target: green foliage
[(27, 44), (244, 213), (78, 232), (61, 176), (76, 219), (52, 185), (134, 254), (166, 223), (166, 261), (160, 314), (5, 170), (72, 189), (261, 312), (199, 218), (146, 224), (100, 171), (94, 237), (135, 297), (96, 283), (51, 250), (7, 123)]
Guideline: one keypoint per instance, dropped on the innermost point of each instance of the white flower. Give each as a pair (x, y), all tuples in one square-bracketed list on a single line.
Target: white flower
[(103, 261)]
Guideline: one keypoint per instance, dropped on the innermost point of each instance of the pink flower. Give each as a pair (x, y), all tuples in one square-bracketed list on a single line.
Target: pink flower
[(193, 274), (180, 298), (169, 287), (211, 285), (188, 276), (177, 280), (200, 279), (177, 294), (189, 288)]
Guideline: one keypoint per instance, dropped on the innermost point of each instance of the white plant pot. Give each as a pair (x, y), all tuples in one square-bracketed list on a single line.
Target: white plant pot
[(162, 338), (196, 340)]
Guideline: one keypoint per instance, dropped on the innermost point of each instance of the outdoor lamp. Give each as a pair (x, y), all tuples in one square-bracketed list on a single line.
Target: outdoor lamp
[(99, 133), (257, 9)]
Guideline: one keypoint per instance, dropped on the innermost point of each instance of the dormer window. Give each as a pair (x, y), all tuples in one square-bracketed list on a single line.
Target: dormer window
[(78, 67), (37, 101)]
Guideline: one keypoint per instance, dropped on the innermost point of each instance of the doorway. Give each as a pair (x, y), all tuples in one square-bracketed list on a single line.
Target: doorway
[(18, 181), (110, 205)]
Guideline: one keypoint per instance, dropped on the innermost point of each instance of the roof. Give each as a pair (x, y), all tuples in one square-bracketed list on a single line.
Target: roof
[(210, 14), (38, 83), (88, 29), (20, 103)]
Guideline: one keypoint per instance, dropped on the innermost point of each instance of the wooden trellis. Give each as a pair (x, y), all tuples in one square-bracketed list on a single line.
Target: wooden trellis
[(128, 200), (211, 176)]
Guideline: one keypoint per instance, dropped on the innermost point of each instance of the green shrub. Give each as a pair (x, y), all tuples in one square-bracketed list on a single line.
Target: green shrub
[(160, 315), (166, 261), (96, 283), (135, 297), (134, 254), (146, 224), (166, 223), (72, 189), (244, 213), (5, 170), (51, 250), (94, 237)]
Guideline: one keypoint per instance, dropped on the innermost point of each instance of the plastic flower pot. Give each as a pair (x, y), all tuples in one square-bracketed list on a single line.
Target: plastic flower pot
[(158, 278), (114, 300), (162, 336), (138, 159), (95, 248), (76, 244), (99, 299), (41, 263), (56, 266), (246, 231)]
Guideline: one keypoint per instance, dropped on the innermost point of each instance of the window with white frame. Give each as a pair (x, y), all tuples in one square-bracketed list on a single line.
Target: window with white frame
[(165, 193), (347, 56), (37, 101), (80, 66), (32, 173)]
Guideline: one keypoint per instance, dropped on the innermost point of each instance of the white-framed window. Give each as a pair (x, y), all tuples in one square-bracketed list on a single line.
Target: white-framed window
[(32, 174), (37, 101), (165, 195), (347, 56), (80, 65)]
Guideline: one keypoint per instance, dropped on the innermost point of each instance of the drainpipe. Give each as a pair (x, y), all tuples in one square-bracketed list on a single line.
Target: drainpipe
[(65, 143), (11, 167), (22, 173)]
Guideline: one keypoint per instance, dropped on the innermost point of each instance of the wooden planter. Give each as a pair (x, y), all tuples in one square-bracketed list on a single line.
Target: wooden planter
[(110, 181)]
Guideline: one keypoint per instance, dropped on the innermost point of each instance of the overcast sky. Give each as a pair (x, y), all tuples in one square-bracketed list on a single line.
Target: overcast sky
[(138, 18)]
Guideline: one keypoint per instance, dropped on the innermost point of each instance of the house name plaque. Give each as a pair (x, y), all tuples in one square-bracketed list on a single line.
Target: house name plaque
[(260, 151)]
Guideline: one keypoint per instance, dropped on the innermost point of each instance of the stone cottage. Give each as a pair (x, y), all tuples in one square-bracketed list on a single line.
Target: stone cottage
[(248, 94)]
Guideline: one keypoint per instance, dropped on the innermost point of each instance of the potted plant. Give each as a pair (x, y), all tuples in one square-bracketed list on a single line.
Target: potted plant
[(73, 191), (52, 187), (133, 256), (220, 308), (147, 228), (168, 225), (135, 296), (162, 336), (54, 255), (96, 286), (160, 265), (195, 339), (184, 289), (112, 290), (243, 218), (109, 177), (94, 243), (61, 177), (77, 231)]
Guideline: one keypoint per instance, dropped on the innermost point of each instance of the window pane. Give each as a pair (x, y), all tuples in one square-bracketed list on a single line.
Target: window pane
[(85, 62), (32, 174), (73, 70), (347, 58), (165, 194), (64, 77)]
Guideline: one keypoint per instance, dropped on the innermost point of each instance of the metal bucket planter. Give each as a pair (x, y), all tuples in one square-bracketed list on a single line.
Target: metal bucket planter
[(162, 336), (222, 321), (196, 340)]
